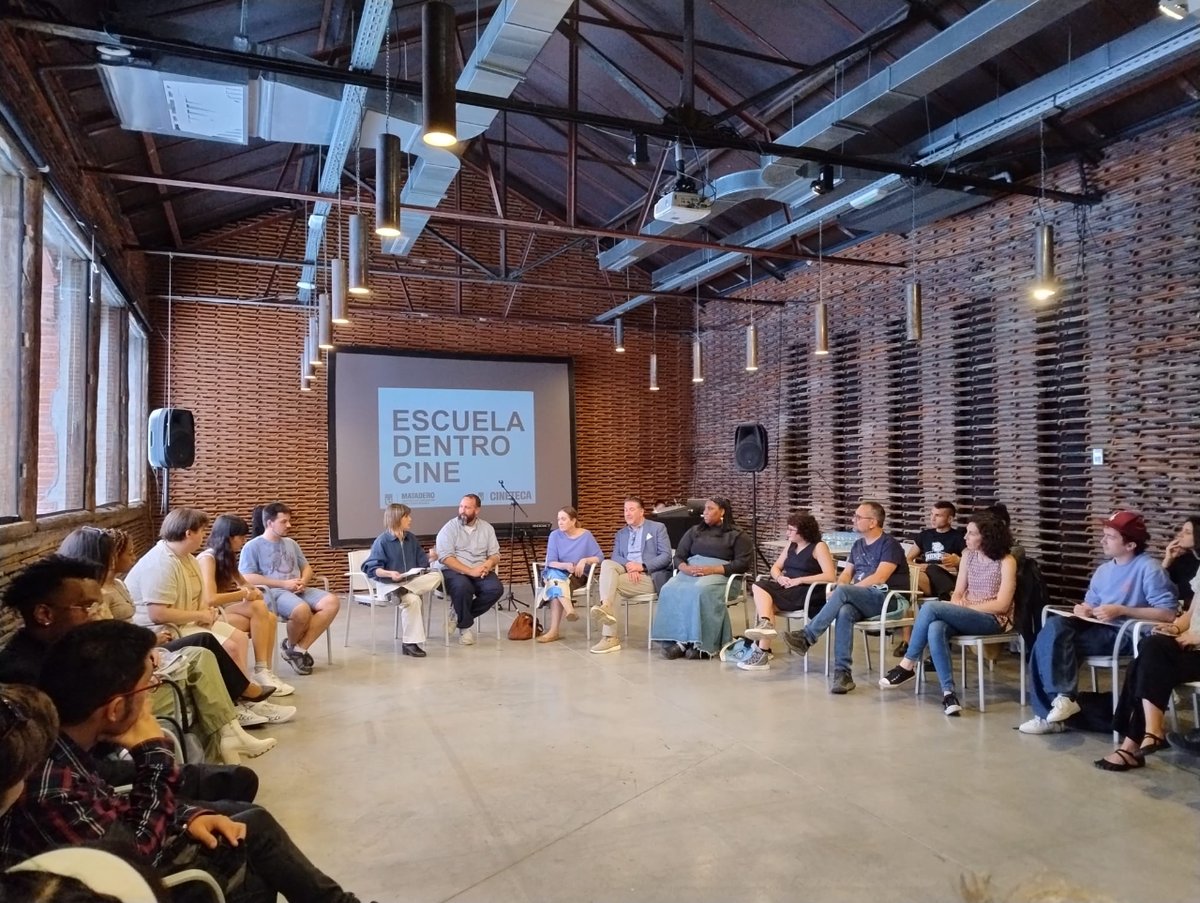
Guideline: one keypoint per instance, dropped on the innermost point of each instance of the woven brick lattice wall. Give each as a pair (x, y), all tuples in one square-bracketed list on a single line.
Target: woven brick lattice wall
[(1001, 399)]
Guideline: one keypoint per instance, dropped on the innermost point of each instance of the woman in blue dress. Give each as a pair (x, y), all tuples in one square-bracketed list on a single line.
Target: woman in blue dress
[(691, 617), (570, 551)]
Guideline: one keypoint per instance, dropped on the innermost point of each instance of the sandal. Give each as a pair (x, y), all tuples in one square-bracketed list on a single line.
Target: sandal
[(1156, 743), (1132, 761)]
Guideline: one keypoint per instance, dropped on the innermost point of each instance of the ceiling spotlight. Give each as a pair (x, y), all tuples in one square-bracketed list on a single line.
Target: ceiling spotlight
[(1045, 286), (640, 156), (113, 52), (1177, 9), (618, 335), (823, 183), (305, 283), (438, 99)]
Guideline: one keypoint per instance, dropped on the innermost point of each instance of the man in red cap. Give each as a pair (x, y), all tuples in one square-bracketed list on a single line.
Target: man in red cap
[(1131, 584)]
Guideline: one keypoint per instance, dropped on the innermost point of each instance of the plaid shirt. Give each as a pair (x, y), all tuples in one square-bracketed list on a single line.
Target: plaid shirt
[(67, 802)]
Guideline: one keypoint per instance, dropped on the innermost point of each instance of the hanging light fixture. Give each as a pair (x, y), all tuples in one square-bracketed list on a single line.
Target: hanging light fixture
[(751, 333), (437, 88), (912, 291), (821, 316), (654, 349), (618, 336), (387, 186), (337, 279), (357, 229), (306, 373), (314, 350), (640, 156), (324, 323), (697, 351), (1044, 285)]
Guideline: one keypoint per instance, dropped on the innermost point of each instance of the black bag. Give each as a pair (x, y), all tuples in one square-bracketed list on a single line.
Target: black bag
[(1095, 713)]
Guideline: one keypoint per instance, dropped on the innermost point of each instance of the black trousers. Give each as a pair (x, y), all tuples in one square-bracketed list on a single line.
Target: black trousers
[(235, 681), (263, 866), (472, 596), (1161, 665), (199, 783)]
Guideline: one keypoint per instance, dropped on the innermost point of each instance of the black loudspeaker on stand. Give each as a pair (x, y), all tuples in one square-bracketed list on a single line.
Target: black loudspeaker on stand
[(750, 456), (172, 438)]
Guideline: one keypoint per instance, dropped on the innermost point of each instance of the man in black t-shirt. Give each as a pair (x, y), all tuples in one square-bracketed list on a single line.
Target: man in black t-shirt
[(938, 550)]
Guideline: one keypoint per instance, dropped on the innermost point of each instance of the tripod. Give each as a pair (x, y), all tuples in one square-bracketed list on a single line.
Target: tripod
[(510, 601)]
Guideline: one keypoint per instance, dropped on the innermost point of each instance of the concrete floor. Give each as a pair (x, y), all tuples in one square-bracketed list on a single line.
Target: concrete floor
[(502, 772)]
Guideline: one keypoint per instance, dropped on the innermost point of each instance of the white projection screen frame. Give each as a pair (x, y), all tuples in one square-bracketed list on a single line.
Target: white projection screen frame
[(425, 428)]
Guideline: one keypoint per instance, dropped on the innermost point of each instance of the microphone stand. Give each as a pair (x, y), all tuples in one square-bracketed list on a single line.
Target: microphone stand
[(510, 600)]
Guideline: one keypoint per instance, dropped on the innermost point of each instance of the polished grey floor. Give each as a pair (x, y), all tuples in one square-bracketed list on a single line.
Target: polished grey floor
[(503, 772)]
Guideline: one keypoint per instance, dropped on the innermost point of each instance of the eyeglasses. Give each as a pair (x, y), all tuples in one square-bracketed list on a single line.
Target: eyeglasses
[(12, 716), (863, 517), (154, 684), (90, 608)]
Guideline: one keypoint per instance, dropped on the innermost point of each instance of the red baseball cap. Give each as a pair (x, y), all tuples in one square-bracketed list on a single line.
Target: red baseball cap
[(1130, 524)]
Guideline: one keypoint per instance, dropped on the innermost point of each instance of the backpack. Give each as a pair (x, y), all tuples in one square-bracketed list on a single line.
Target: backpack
[(737, 650), (1031, 597)]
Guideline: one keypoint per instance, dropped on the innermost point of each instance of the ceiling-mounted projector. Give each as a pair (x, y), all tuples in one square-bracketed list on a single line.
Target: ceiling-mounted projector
[(682, 207)]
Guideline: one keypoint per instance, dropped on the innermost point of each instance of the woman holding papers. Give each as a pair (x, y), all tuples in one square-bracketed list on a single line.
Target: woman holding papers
[(401, 568)]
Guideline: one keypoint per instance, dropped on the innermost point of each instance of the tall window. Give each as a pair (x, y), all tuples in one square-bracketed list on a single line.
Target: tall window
[(10, 342), (111, 424), (62, 399), (138, 392)]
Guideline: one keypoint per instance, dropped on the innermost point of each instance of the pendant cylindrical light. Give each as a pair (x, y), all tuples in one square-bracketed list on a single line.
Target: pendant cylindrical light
[(821, 319), (618, 336), (437, 72), (1044, 285), (751, 348), (324, 323), (697, 361), (314, 350), (305, 370), (387, 185), (912, 311), (358, 255), (653, 372), (339, 312)]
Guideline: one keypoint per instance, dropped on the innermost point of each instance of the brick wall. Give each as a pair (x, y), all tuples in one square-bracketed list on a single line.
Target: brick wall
[(1001, 399)]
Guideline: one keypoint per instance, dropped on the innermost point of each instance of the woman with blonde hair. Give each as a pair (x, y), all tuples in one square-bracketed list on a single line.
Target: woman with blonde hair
[(394, 553)]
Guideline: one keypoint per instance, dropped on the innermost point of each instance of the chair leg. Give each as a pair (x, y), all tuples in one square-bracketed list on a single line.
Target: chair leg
[(350, 603), (372, 607), (979, 662), (1021, 647)]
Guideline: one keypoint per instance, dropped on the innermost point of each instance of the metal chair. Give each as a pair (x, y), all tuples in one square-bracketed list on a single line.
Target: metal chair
[(978, 642), (364, 590), (443, 594), (273, 609), (736, 591), (801, 615), (197, 876), (890, 619), (583, 594)]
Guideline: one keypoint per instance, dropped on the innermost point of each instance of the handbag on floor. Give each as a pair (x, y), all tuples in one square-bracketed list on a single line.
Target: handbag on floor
[(522, 627)]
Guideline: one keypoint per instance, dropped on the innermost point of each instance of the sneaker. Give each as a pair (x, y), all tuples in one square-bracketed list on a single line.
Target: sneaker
[(672, 650), (756, 662), (1042, 726), (842, 683), (950, 705), (764, 628), (895, 677), (301, 662), (797, 641), (605, 614), (607, 644), (265, 677), (466, 637), (1062, 708), (269, 712), (247, 717)]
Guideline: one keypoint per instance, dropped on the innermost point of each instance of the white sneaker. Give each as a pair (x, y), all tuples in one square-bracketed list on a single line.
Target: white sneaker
[(265, 677), (607, 644), (1062, 708), (274, 714), (247, 717), (451, 620), (1041, 726), (466, 637), (764, 628)]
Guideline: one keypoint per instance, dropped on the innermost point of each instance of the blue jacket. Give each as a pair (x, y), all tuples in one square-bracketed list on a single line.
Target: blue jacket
[(391, 554), (656, 550)]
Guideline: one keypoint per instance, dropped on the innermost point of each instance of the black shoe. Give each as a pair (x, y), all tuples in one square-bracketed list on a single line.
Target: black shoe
[(950, 705), (1188, 743), (264, 691), (797, 641), (672, 650), (895, 677), (693, 653), (900, 649), (841, 683), (413, 649)]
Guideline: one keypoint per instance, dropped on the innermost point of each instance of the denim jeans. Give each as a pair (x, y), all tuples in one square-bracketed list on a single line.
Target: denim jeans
[(936, 623), (1054, 661), (846, 605)]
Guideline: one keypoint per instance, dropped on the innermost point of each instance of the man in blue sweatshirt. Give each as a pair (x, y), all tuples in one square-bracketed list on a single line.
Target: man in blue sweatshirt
[(1131, 585)]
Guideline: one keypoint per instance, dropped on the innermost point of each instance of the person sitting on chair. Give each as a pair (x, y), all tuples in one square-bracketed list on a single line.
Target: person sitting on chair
[(797, 579), (393, 554), (691, 617), (981, 604), (1130, 585), (570, 551), (876, 564), (99, 677), (274, 561), (1181, 558), (640, 564), (468, 553)]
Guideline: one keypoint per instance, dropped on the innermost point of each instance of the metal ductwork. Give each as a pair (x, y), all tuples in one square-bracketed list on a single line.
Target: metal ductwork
[(978, 36), (1153, 45)]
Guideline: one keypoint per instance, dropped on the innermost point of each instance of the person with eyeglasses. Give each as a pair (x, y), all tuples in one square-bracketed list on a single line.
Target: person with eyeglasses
[(100, 677), (876, 564)]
